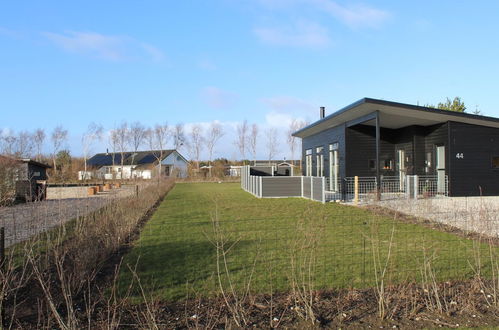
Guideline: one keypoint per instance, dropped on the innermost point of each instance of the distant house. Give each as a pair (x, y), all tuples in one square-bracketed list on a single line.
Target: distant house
[(26, 177), (140, 164)]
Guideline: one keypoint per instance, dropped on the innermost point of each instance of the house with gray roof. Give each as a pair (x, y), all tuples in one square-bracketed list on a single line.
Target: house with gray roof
[(139, 164)]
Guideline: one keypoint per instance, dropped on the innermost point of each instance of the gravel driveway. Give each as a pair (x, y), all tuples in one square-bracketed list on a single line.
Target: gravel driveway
[(25, 220), (471, 214)]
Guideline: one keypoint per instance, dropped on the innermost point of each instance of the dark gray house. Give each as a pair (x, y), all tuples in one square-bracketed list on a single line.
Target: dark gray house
[(377, 138)]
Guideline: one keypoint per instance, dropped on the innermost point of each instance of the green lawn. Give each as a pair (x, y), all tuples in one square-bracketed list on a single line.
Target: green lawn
[(277, 241)]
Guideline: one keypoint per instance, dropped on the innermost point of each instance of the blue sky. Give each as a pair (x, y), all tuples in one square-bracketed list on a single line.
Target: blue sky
[(74, 62)]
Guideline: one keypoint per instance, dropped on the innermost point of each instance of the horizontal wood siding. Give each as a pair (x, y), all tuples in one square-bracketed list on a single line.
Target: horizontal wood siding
[(436, 135), (361, 147), (281, 186), (323, 139), (473, 174)]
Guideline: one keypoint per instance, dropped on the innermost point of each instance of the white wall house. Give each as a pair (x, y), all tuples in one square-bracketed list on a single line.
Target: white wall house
[(141, 165)]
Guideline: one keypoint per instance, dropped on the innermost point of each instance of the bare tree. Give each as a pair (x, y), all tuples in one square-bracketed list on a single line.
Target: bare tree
[(58, 137), (93, 133), (178, 135), (215, 132), (271, 135), (22, 146), (113, 142), (122, 143), (196, 142), (137, 135), (253, 139), (8, 143), (39, 139), (157, 138), (242, 137), (294, 126)]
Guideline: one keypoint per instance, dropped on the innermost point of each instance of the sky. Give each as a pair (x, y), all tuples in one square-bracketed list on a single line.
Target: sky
[(71, 63)]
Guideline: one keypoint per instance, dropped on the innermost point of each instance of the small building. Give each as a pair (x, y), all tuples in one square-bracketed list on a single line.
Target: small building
[(27, 177), (140, 164), (383, 139)]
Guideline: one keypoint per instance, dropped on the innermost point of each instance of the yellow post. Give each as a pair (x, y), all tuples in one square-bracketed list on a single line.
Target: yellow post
[(356, 190)]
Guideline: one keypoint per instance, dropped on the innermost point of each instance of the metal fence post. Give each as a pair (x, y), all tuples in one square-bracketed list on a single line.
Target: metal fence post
[(356, 189), (312, 188), (416, 187), (261, 189), (302, 186), (136, 190), (2, 268)]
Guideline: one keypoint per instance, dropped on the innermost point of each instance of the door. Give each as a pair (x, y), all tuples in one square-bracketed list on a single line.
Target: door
[(440, 167), (401, 168), (333, 169)]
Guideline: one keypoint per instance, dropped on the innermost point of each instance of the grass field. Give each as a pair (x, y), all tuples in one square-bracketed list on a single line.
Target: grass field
[(278, 242)]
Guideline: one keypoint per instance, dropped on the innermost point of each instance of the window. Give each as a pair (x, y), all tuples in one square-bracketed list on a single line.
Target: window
[(334, 165), (320, 161), (372, 164), (495, 162), (308, 162), (35, 174), (387, 164)]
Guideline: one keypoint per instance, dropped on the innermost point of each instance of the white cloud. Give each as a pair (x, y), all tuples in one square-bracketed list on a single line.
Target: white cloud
[(108, 47), (300, 34), (218, 98), (355, 16), (277, 119)]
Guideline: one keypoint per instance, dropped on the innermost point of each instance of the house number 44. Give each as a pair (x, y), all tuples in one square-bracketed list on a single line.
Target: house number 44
[(459, 155)]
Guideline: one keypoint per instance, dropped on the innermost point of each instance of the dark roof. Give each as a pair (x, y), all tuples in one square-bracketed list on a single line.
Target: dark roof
[(25, 160), (394, 115), (33, 162), (129, 157)]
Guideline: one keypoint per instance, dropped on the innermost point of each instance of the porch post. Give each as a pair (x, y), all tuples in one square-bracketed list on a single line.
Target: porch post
[(378, 176)]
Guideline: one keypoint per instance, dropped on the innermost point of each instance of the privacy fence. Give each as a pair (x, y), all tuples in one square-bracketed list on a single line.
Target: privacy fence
[(262, 183), (313, 188)]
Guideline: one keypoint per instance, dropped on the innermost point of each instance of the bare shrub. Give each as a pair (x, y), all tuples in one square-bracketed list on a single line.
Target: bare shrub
[(65, 269)]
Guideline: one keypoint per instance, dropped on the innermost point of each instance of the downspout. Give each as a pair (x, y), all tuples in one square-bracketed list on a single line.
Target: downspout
[(378, 142)]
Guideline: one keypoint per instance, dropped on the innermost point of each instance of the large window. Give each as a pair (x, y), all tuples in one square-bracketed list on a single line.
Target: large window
[(320, 161), (334, 167), (495, 162), (308, 162)]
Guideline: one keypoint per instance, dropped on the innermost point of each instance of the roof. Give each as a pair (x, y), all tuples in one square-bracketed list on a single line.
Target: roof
[(33, 162), (129, 157), (393, 115), (25, 160)]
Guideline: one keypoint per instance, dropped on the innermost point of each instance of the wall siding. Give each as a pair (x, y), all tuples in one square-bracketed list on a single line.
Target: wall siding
[(324, 139), (473, 175)]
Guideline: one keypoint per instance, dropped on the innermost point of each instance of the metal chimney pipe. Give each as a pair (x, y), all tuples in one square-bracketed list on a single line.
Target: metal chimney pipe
[(323, 112)]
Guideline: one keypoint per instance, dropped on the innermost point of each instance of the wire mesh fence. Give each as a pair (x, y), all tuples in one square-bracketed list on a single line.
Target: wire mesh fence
[(270, 245), (208, 237)]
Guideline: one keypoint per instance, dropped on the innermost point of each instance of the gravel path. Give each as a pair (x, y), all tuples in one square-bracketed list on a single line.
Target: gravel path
[(23, 221), (471, 214)]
